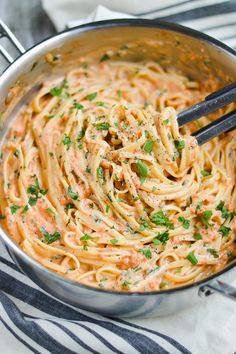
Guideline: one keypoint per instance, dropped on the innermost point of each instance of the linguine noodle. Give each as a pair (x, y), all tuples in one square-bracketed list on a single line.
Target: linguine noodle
[(99, 184)]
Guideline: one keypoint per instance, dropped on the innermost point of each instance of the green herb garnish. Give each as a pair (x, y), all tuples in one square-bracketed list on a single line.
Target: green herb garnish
[(113, 241), (162, 237), (100, 173), (119, 93), (81, 134), (224, 230), (77, 105), (148, 146), (14, 208), (146, 253), (102, 126), (86, 237), (56, 91), (144, 225), (67, 141), (213, 252), (100, 104), (159, 218), (206, 216), (35, 192), (192, 258), (72, 194), (197, 236), (224, 211), (16, 153), (205, 173), (69, 206), (142, 170), (104, 57), (91, 96), (126, 283), (198, 207), (51, 212), (50, 238), (179, 144), (185, 222)]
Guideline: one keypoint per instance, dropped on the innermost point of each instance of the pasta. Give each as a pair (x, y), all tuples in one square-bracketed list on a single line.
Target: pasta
[(100, 185)]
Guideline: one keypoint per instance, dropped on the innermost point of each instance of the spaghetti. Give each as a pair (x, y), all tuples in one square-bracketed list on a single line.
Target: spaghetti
[(99, 184)]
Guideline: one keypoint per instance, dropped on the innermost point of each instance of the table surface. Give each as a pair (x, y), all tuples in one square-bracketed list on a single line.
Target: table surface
[(37, 27)]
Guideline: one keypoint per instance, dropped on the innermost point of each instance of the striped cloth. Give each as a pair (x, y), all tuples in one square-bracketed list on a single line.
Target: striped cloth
[(34, 321)]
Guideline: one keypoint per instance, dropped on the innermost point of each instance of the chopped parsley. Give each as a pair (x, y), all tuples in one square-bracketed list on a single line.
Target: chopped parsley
[(72, 194), (163, 284), (224, 230), (50, 238), (199, 205), (81, 134), (119, 93), (148, 146), (185, 222), (88, 170), (51, 212), (67, 141), (69, 206), (162, 237), (213, 252), (100, 173), (159, 218), (224, 211), (107, 208), (91, 96), (32, 201), (179, 144), (113, 241), (197, 236), (137, 268), (142, 170), (100, 104), (35, 192), (77, 105), (205, 173), (126, 283), (144, 225), (86, 237), (102, 126), (192, 258), (16, 153), (104, 57), (56, 91), (147, 253), (206, 216), (14, 208)]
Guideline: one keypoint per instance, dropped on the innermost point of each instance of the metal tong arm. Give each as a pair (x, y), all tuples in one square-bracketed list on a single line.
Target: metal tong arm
[(6, 32), (215, 128), (211, 103)]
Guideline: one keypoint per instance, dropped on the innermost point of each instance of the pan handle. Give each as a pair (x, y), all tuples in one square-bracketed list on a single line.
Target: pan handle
[(218, 287), (7, 33)]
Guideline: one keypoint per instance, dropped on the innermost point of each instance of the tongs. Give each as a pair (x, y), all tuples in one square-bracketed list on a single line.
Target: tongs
[(211, 103)]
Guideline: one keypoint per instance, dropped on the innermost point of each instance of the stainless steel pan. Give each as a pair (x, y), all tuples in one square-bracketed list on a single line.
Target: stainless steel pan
[(196, 55)]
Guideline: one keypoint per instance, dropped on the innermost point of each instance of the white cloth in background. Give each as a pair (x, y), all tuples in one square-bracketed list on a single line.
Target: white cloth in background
[(208, 328), (216, 18)]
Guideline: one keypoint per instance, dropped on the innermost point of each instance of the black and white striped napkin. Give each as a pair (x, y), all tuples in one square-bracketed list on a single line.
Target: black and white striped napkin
[(33, 321)]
